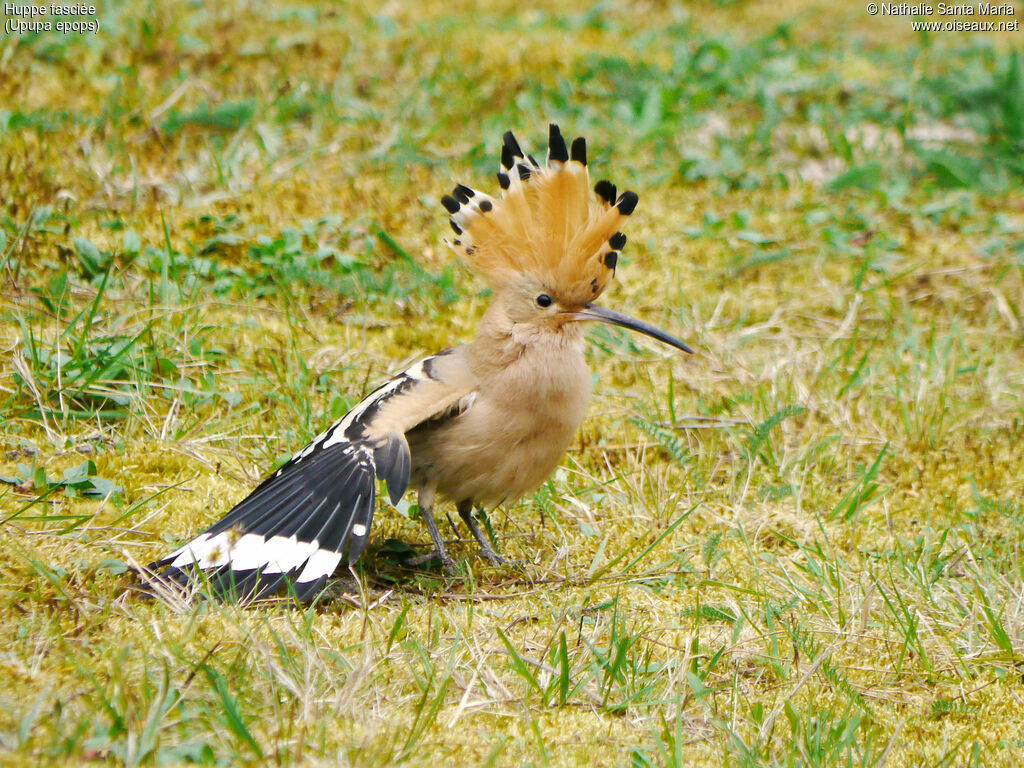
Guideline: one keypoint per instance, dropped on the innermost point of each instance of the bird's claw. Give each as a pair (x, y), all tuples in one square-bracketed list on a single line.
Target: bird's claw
[(494, 558), (447, 561)]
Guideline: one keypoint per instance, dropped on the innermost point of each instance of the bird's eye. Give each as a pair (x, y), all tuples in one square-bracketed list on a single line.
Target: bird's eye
[(543, 300)]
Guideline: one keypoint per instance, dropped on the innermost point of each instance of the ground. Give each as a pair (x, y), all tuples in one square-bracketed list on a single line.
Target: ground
[(220, 226)]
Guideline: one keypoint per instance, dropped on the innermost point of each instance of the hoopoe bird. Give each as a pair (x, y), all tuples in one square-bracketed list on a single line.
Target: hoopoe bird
[(478, 424)]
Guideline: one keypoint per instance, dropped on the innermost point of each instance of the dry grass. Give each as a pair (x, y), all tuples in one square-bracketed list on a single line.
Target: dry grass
[(220, 225)]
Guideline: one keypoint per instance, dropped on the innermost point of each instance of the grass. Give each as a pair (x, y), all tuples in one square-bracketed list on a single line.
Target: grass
[(220, 225)]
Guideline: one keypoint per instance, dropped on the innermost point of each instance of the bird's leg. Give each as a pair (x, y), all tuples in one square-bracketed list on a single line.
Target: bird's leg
[(466, 513), (426, 499)]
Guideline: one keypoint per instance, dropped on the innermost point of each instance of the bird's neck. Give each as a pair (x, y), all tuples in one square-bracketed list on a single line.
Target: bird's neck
[(500, 343), (539, 370)]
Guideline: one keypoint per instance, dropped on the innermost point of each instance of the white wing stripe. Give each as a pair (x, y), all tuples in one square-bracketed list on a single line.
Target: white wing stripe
[(288, 553), (248, 553), (279, 554), (415, 371), (322, 563), (176, 554), (338, 430), (205, 551)]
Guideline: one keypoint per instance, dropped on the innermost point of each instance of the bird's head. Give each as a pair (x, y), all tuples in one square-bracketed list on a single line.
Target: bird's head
[(532, 308), (549, 246)]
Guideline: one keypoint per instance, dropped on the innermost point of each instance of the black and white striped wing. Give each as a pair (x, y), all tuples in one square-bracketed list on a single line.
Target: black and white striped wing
[(318, 508)]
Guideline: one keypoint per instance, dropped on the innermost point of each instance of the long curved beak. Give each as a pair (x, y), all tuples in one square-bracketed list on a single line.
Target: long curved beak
[(604, 315)]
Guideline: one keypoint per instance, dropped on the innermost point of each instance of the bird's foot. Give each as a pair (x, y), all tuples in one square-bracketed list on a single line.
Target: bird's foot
[(447, 561), (494, 558), (486, 548), (450, 568)]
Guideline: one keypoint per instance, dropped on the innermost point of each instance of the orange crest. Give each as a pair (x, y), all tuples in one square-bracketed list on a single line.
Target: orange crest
[(548, 225)]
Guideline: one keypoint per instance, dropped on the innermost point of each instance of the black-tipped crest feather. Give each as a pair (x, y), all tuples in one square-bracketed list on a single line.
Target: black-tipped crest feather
[(579, 150), (557, 150)]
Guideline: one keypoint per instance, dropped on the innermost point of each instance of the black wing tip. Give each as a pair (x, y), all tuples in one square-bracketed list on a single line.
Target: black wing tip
[(396, 490), (160, 576), (393, 464), (241, 587)]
